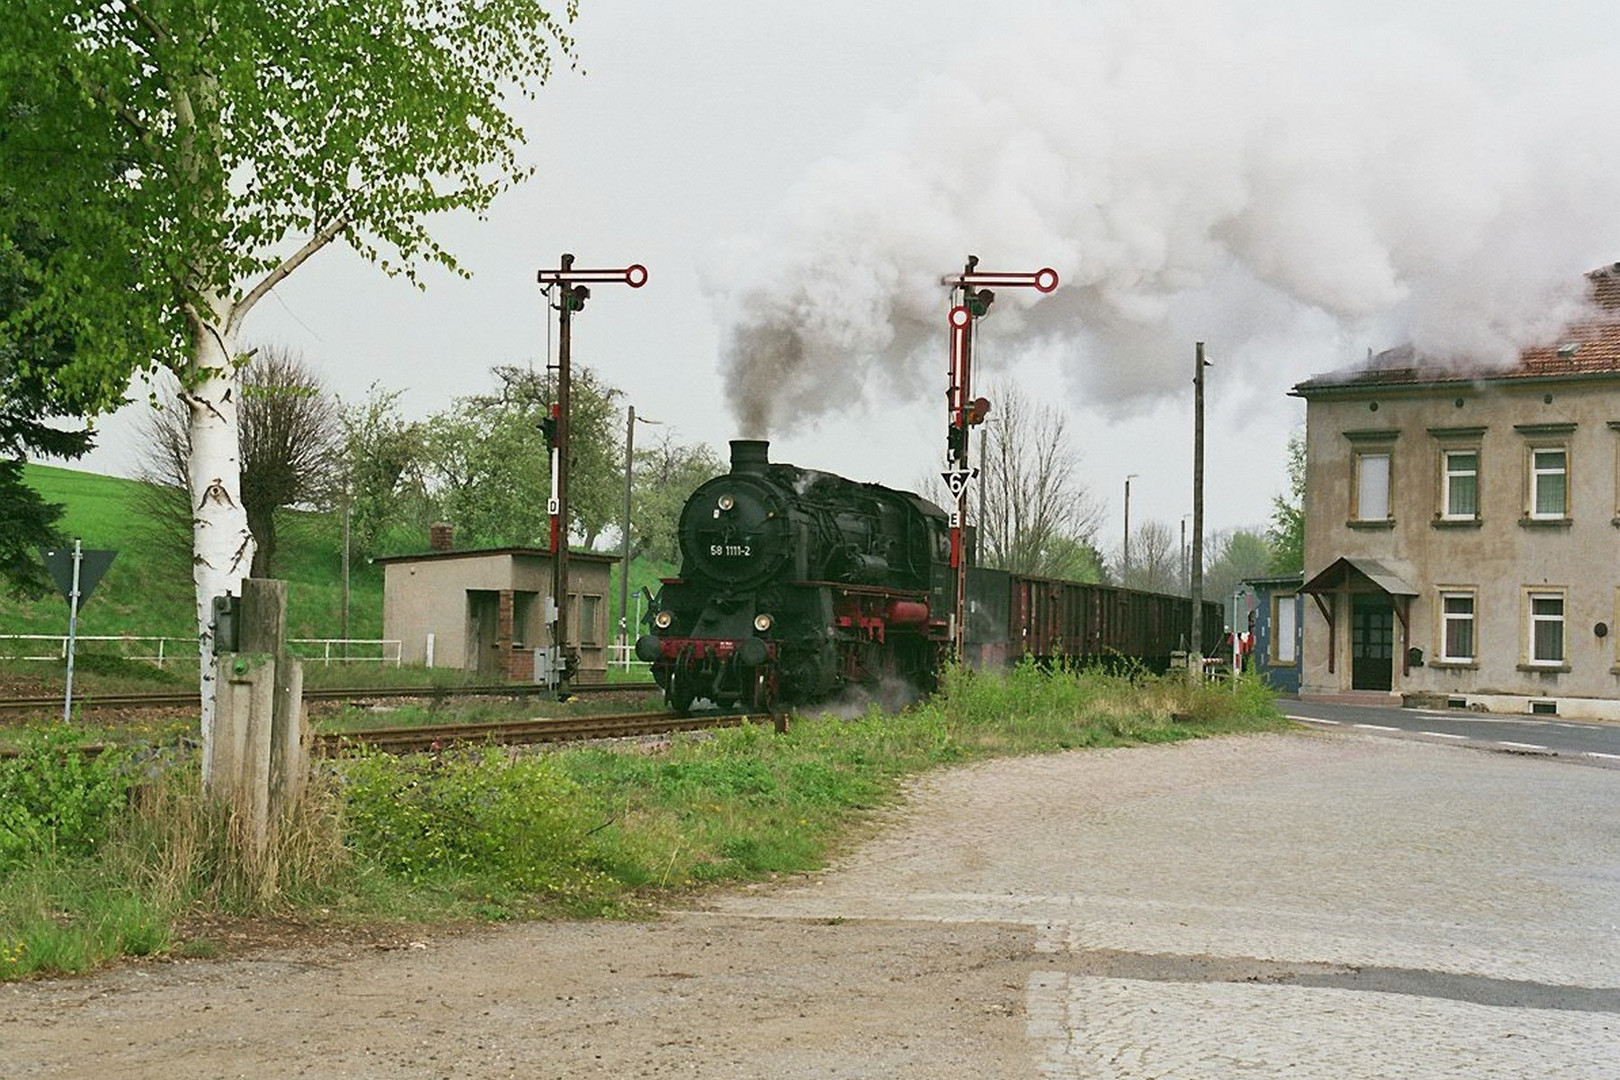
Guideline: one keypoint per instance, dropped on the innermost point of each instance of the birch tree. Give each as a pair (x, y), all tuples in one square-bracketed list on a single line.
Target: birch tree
[(251, 134)]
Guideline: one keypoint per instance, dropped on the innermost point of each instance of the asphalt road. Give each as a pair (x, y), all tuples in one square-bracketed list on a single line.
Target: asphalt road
[(1582, 741)]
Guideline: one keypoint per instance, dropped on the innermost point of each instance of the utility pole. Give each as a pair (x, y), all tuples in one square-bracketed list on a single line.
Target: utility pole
[(574, 291), (1125, 558), (624, 572), (970, 301), (348, 500), (1195, 654)]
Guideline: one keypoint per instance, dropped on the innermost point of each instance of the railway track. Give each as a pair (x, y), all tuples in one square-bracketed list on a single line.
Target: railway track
[(404, 740), (401, 740), (191, 700)]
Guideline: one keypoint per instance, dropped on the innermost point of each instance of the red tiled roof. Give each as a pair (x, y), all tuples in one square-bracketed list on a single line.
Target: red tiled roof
[(1589, 347)]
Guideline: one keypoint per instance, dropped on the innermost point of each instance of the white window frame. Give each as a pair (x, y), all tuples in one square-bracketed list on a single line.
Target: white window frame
[(1447, 618), (1448, 478), (1386, 455), (1534, 620), (1537, 472)]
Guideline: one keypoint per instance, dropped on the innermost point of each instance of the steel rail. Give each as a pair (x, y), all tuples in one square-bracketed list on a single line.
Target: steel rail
[(520, 732), (404, 740)]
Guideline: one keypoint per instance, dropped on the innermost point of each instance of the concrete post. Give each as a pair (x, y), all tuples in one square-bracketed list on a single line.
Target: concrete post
[(261, 761)]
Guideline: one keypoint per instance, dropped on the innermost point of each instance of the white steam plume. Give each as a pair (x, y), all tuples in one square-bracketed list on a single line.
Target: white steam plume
[(1188, 177)]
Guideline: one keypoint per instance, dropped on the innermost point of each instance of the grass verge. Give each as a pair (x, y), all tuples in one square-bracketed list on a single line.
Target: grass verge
[(494, 833)]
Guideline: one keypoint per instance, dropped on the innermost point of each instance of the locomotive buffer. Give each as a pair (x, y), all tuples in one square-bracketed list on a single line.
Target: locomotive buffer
[(971, 297), (560, 658)]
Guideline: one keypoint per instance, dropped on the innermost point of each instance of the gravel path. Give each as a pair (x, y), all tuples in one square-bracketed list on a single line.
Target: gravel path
[(1273, 906)]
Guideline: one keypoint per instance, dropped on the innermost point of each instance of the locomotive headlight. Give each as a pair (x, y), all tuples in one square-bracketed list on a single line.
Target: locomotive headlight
[(762, 622), (727, 502), (663, 619)]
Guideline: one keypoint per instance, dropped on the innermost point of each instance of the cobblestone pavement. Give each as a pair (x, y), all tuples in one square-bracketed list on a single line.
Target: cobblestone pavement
[(1299, 906), (1275, 907)]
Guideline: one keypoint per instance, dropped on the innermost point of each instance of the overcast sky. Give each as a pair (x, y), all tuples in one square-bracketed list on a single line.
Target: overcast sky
[(1294, 184)]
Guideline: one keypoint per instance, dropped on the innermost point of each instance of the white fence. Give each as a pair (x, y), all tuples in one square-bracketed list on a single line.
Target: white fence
[(623, 658), (170, 650)]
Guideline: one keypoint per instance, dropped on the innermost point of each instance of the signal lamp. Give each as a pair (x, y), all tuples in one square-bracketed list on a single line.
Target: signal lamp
[(727, 502), (977, 411), (762, 622), (663, 619)]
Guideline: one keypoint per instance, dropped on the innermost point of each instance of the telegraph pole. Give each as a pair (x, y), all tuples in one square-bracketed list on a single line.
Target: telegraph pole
[(970, 301), (1195, 654), (574, 291)]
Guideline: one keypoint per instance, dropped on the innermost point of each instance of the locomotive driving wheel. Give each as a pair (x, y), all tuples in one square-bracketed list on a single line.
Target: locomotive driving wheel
[(764, 689), (681, 693)]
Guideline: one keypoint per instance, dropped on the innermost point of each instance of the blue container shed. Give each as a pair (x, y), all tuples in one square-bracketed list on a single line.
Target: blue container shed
[(1278, 609)]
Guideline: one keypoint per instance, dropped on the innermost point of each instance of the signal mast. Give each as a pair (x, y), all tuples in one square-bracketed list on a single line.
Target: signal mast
[(971, 297), (561, 659)]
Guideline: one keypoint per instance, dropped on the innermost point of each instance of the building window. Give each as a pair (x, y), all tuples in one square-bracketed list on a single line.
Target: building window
[(1372, 486), (1549, 482), (589, 608), (1546, 628), (1284, 629), (1457, 630), (1460, 494)]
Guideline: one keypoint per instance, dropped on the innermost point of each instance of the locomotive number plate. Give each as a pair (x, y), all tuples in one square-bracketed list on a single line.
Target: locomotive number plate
[(740, 550)]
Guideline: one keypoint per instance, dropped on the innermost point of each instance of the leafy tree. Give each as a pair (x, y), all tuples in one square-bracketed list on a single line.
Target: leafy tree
[(1287, 531), (665, 475), (291, 450), (251, 135), (384, 463), (1241, 553), (30, 359), (488, 463)]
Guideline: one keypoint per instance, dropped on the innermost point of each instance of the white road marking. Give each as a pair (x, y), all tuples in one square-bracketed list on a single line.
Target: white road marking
[(1444, 735), (1312, 720), (1599, 753), (1520, 745), (1377, 727)]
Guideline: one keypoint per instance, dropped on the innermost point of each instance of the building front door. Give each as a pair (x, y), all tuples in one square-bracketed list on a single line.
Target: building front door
[(483, 626), (1372, 643)]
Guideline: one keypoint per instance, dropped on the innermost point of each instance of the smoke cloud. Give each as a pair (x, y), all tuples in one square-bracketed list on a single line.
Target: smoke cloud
[(1271, 188)]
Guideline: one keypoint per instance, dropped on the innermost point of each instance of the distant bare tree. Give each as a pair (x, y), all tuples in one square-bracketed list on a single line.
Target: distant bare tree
[(291, 449), (1155, 559), (1036, 517)]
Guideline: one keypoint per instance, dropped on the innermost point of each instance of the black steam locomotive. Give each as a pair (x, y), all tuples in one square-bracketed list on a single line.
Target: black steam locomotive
[(797, 584)]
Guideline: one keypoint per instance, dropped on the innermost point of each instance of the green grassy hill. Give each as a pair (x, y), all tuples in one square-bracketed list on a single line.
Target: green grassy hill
[(148, 590)]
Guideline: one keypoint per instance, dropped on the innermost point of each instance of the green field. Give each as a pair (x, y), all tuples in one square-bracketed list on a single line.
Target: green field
[(148, 592)]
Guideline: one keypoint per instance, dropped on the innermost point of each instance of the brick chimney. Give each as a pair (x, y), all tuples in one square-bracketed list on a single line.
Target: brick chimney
[(441, 536)]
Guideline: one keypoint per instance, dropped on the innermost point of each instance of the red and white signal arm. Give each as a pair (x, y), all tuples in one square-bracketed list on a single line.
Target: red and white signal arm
[(634, 275), (1043, 280)]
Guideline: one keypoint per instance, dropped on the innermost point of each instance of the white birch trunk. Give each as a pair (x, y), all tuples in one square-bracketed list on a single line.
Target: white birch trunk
[(222, 546)]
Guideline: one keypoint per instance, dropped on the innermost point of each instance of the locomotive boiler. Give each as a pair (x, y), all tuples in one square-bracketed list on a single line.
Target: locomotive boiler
[(795, 584)]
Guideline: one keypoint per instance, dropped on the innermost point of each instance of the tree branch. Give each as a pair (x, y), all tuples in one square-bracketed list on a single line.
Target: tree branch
[(159, 35), (325, 236)]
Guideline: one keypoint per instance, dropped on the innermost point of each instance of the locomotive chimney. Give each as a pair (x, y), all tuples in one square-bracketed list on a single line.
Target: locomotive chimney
[(750, 455)]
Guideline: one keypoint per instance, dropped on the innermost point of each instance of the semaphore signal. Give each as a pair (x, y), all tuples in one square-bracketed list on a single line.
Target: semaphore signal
[(971, 297)]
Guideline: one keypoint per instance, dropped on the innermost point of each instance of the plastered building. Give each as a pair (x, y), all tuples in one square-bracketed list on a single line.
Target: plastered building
[(484, 610), (1462, 528)]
